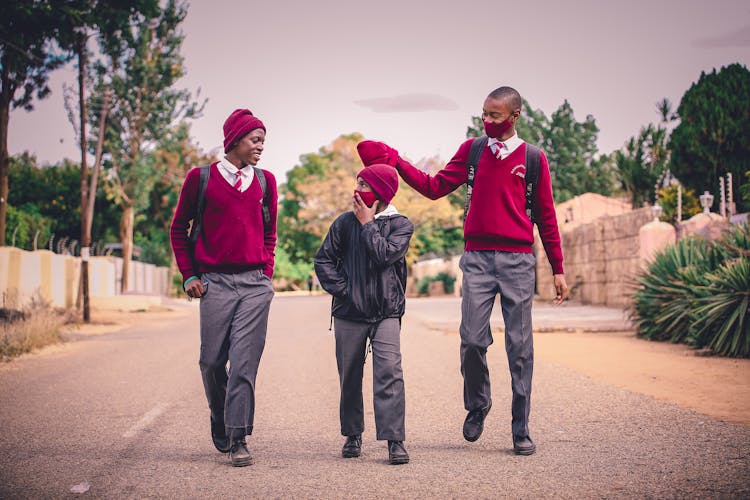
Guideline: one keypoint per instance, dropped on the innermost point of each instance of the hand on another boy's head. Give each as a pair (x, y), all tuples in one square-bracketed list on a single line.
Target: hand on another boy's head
[(373, 152), (362, 212)]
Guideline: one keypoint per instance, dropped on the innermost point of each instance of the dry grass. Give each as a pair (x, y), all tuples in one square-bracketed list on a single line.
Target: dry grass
[(40, 327)]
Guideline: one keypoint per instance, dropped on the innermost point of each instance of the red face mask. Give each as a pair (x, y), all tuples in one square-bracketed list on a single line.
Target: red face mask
[(368, 197), (496, 130)]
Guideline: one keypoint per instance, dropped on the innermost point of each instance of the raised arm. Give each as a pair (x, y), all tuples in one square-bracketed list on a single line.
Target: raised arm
[(435, 186)]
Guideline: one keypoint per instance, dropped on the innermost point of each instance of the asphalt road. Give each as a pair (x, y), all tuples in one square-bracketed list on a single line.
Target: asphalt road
[(123, 415)]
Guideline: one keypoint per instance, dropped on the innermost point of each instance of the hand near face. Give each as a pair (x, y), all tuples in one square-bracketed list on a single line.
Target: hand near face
[(362, 212)]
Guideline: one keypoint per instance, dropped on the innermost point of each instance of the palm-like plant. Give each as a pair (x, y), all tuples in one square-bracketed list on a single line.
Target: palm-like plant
[(662, 305), (721, 314), (698, 292)]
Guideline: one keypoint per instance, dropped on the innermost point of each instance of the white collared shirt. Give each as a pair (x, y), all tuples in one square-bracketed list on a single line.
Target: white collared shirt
[(389, 210), (229, 172), (507, 147)]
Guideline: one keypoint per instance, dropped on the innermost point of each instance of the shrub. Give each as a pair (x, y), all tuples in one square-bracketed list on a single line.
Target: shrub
[(698, 292), (39, 326)]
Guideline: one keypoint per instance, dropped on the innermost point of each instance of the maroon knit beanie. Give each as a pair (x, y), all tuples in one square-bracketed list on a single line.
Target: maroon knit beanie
[(383, 180), (239, 123)]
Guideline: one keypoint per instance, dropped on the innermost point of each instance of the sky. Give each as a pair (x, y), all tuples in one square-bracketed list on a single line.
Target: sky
[(413, 72)]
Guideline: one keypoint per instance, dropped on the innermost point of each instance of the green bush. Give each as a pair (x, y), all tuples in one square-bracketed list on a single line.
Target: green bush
[(697, 292), (423, 285)]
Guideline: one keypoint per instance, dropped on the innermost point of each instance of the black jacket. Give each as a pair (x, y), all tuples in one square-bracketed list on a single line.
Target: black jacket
[(363, 267)]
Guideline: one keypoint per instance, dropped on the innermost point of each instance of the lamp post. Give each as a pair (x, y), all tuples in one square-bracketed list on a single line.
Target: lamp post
[(657, 210), (707, 199)]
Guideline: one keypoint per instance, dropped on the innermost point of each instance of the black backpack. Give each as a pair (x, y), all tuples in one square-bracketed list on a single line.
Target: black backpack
[(197, 225), (533, 158)]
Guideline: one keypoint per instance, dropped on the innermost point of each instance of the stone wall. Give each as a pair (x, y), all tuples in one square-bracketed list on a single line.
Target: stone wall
[(601, 259)]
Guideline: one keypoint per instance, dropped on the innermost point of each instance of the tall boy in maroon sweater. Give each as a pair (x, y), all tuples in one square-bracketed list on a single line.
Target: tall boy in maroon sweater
[(230, 271), (497, 256)]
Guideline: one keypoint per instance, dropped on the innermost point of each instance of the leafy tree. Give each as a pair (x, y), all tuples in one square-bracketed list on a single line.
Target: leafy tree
[(174, 156), (315, 193), (668, 201), (572, 154), (146, 64), (570, 147), (642, 163), (320, 189), (712, 136), (52, 192), (639, 165), (27, 56)]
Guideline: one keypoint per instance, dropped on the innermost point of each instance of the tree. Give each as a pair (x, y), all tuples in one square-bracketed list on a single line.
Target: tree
[(641, 164), (320, 189), (315, 193), (570, 147), (712, 137), (53, 192), (173, 157), (145, 67), (27, 56)]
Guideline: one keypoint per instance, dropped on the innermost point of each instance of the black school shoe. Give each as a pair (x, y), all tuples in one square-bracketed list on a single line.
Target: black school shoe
[(474, 423), (219, 436), (353, 446), (397, 454), (523, 445), (239, 454)]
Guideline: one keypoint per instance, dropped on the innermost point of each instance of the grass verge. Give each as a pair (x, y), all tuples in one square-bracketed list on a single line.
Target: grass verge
[(31, 327)]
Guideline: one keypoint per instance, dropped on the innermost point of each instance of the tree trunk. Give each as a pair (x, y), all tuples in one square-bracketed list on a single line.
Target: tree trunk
[(97, 162), (85, 226), (6, 94), (126, 239)]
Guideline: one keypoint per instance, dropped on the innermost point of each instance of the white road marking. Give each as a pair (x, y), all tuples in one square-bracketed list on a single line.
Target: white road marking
[(146, 420)]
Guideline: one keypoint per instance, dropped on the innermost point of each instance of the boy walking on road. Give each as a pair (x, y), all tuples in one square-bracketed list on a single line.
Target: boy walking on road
[(361, 263), (498, 258), (229, 268)]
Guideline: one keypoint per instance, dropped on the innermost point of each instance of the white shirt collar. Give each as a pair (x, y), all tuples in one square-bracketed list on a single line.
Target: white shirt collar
[(229, 172), (506, 147), (511, 143), (389, 211)]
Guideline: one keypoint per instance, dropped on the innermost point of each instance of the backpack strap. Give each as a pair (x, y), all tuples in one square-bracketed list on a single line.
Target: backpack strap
[(533, 159), (197, 226), (263, 185), (477, 146)]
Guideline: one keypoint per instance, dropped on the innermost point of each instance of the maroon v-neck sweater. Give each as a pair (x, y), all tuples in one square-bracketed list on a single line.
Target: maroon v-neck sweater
[(233, 239), (497, 217)]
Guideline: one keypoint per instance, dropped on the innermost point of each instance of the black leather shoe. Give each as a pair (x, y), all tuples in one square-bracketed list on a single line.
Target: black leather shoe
[(353, 446), (239, 453), (523, 445), (219, 435), (397, 454), (474, 423)]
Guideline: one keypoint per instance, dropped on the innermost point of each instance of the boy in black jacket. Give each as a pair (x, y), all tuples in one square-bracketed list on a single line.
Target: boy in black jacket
[(361, 263)]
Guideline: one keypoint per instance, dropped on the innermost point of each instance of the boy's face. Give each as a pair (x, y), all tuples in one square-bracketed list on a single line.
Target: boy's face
[(363, 186), (498, 110), (250, 147)]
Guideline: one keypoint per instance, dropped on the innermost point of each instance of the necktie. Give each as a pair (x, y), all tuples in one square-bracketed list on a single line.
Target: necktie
[(497, 147), (238, 182)]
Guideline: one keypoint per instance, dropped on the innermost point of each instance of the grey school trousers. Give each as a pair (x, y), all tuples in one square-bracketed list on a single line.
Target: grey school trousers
[(485, 274), (234, 319), (389, 401)]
